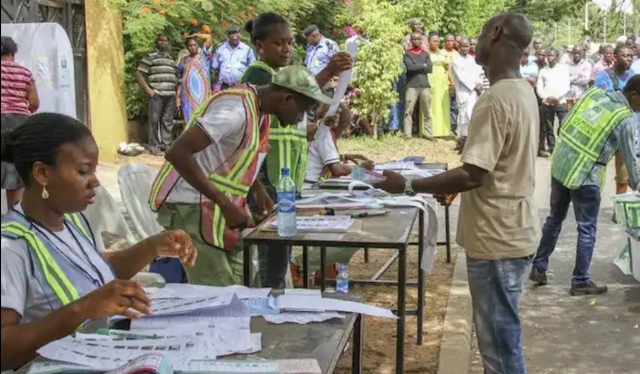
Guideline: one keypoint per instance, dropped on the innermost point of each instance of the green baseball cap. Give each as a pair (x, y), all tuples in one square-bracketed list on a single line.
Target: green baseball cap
[(299, 79)]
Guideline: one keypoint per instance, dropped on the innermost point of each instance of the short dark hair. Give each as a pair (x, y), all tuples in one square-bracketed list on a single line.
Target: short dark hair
[(633, 84), (553, 49), (9, 46), (39, 139), (619, 48), (189, 39), (310, 30), (261, 27)]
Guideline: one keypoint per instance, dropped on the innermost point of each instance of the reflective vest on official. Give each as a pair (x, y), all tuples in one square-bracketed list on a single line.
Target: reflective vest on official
[(583, 135), (61, 279), (288, 145), (233, 178)]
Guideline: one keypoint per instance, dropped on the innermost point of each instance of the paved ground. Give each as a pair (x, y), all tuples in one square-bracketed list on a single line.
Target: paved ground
[(564, 334)]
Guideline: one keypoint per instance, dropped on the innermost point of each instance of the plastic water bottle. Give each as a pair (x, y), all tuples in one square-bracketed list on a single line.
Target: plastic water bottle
[(286, 205), (342, 280)]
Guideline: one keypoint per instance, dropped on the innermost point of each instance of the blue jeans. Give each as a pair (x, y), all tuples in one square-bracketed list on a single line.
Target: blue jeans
[(453, 112), (495, 287), (586, 205)]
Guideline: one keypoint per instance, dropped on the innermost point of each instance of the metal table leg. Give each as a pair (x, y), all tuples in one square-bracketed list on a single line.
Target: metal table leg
[(305, 267), (420, 278), (247, 263), (323, 261), (402, 299), (447, 232), (358, 340), (366, 255)]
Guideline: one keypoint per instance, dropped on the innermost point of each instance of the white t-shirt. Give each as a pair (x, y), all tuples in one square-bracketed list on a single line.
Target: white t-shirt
[(22, 291), (322, 152), (224, 122)]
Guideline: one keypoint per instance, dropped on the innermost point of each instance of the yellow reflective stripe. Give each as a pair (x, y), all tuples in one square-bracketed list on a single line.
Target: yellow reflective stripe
[(579, 147), (241, 166), (218, 223), (229, 186), (46, 262), (77, 221)]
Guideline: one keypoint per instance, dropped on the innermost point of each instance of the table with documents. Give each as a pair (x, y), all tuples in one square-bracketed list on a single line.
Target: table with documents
[(324, 342)]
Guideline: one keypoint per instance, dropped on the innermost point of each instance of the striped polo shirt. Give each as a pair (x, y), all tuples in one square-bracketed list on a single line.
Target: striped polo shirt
[(161, 71), (15, 81)]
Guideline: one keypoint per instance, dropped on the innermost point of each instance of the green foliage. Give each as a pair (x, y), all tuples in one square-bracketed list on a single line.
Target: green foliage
[(143, 20), (378, 63)]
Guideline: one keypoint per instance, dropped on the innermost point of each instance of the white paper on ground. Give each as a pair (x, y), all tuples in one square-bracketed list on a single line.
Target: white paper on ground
[(301, 318)]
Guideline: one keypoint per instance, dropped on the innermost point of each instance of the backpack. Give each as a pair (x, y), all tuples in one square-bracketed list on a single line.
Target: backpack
[(614, 79)]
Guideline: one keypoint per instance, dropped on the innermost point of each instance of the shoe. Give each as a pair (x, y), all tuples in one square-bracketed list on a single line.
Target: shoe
[(538, 276), (543, 154), (588, 288)]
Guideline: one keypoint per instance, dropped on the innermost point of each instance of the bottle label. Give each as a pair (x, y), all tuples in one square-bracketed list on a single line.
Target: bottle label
[(286, 202)]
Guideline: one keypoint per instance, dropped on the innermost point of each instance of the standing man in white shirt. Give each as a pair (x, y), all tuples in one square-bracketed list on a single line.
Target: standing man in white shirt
[(553, 86), (467, 76), (579, 75)]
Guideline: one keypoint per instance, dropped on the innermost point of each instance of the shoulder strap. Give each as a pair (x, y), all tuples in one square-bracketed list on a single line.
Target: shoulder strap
[(614, 79)]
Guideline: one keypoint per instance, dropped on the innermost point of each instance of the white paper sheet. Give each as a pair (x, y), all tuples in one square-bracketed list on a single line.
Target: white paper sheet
[(149, 363), (187, 291), (305, 366), (301, 318), (110, 354), (396, 165), (53, 367), (167, 307), (261, 307), (321, 223), (343, 79), (229, 367), (307, 304), (303, 292)]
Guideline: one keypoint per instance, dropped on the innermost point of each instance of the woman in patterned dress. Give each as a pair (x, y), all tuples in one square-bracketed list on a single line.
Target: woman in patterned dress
[(195, 75)]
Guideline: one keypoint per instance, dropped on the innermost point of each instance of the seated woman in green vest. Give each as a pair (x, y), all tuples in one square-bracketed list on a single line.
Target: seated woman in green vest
[(273, 41), (53, 277)]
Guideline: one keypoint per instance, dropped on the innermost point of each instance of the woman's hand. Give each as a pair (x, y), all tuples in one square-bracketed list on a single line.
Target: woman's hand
[(175, 243), (118, 297)]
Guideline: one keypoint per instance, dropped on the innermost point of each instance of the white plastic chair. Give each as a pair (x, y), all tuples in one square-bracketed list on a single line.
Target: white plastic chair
[(5, 205), (134, 181), (104, 216)]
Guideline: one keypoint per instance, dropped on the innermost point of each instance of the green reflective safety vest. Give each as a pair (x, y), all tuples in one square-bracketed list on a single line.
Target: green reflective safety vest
[(288, 145), (14, 226), (583, 136)]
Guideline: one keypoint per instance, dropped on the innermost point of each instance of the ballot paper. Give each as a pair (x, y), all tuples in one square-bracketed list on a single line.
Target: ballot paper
[(301, 318), (321, 223), (297, 303), (343, 79), (189, 291), (261, 307), (53, 367), (298, 366), (107, 355), (149, 363), (396, 165)]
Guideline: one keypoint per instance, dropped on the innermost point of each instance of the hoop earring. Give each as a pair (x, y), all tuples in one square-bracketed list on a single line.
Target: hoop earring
[(45, 193)]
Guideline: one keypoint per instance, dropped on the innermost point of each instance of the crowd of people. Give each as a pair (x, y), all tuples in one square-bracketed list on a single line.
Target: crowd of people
[(220, 173)]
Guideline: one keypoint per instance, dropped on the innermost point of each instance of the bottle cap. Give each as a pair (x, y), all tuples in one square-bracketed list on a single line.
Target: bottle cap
[(342, 267), (285, 171)]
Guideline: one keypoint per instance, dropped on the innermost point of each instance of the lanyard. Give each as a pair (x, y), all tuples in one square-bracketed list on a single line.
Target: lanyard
[(44, 231)]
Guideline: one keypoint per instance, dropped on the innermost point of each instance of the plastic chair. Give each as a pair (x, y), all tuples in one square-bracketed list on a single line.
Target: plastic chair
[(5, 205), (134, 181), (104, 216)]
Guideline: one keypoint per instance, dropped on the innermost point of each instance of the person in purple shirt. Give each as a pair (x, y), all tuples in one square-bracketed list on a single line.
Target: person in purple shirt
[(232, 59)]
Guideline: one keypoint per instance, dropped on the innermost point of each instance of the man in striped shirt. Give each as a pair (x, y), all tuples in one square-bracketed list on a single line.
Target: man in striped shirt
[(158, 76), (579, 75)]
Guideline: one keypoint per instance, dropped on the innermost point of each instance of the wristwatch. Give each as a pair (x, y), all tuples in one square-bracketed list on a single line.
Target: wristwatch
[(408, 190)]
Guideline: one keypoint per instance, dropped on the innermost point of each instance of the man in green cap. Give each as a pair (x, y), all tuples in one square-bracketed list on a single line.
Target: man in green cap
[(211, 168)]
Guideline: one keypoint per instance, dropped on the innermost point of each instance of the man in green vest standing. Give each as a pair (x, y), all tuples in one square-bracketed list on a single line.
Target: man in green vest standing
[(600, 124)]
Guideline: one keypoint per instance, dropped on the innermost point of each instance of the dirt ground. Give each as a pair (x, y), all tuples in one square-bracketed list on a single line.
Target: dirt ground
[(380, 334)]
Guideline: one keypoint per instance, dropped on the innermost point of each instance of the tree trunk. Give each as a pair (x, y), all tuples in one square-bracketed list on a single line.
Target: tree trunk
[(374, 124)]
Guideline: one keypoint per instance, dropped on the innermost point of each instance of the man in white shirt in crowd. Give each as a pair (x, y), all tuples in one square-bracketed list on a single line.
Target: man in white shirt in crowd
[(529, 68), (579, 75), (467, 76), (553, 86)]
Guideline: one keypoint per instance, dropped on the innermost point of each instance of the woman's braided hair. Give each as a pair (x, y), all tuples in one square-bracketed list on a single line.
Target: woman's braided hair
[(38, 139), (260, 27)]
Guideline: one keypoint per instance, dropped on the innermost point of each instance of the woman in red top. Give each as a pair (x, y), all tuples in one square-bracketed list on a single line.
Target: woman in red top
[(19, 99)]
